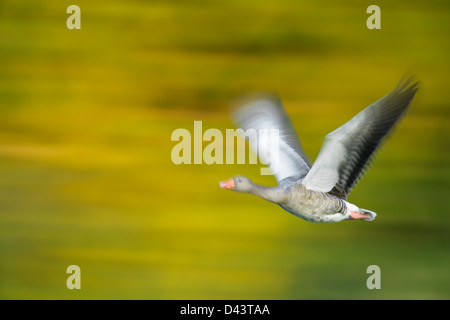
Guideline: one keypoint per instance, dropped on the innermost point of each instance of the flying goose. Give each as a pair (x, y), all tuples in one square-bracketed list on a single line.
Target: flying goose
[(318, 192)]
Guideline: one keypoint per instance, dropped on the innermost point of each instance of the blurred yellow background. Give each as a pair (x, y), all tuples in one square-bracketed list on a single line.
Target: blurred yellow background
[(86, 176)]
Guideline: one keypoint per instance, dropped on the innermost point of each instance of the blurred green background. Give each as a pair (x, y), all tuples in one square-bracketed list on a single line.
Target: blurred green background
[(86, 176)]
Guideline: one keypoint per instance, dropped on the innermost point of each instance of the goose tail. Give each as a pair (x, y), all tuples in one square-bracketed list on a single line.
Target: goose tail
[(371, 214)]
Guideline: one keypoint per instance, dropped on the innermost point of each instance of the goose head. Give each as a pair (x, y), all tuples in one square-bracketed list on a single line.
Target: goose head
[(238, 184)]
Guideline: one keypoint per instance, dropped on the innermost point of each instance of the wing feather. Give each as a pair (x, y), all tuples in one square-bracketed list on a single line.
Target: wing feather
[(264, 113), (347, 151)]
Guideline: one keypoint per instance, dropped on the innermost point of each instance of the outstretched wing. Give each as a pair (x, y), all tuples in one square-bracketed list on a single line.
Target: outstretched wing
[(347, 151), (264, 115)]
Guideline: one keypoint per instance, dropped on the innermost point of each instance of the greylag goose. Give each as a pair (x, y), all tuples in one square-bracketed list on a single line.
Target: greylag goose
[(318, 192)]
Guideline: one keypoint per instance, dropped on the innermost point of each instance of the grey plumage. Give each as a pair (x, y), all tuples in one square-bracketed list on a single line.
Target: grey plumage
[(347, 151), (266, 112), (319, 192)]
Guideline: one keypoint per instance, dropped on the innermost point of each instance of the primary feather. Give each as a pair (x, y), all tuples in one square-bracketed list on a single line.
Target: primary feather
[(262, 114), (347, 151)]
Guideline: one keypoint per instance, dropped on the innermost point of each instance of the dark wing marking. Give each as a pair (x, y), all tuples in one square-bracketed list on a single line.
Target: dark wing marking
[(347, 151)]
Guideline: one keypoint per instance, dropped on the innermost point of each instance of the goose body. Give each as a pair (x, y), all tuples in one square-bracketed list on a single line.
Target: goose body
[(318, 192)]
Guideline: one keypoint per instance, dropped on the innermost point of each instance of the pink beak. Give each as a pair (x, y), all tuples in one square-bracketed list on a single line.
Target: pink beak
[(227, 184)]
